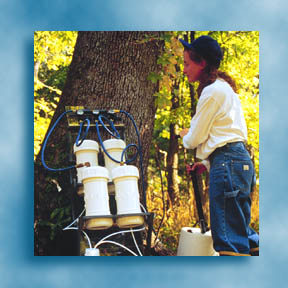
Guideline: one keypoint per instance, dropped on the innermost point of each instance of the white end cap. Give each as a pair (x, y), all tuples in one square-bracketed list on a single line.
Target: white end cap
[(86, 145), (124, 171), (114, 144), (95, 172)]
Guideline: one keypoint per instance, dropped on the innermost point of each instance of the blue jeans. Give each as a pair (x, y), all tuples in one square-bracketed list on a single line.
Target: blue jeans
[(232, 177)]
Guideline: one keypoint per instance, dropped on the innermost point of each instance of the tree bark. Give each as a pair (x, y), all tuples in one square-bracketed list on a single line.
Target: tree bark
[(190, 36), (173, 149), (109, 70)]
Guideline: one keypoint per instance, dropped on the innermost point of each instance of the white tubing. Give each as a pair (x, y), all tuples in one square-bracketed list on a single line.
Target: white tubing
[(88, 239), (143, 208), (74, 220), (119, 232), (85, 234), (115, 243), (135, 242)]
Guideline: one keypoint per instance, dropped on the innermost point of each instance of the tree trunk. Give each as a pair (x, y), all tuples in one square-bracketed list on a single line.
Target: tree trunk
[(172, 155), (191, 87), (109, 70), (190, 36), (204, 196)]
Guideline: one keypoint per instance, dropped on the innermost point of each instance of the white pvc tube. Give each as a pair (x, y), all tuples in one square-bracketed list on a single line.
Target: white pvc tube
[(96, 193), (126, 189), (86, 152), (114, 148), (127, 197), (96, 197)]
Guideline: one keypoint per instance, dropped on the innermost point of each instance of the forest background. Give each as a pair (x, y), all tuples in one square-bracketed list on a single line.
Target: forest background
[(169, 192)]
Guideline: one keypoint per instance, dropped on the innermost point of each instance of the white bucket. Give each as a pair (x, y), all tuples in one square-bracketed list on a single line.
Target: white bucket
[(96, 197), (125, 179), (114, 148), (193, 243), (86, 152)]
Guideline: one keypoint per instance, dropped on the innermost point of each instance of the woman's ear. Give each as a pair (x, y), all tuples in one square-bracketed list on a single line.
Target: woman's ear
[(203, 63)]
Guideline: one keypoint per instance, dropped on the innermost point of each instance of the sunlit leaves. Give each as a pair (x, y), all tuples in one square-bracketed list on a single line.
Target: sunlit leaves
[(54, 48), (154, 77), (53, 52)]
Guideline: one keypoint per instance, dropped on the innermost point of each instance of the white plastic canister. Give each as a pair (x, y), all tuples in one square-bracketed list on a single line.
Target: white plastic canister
[(86, 152), (114, 148), (92, 252), (193, 243), (96, 197), (125, 179)]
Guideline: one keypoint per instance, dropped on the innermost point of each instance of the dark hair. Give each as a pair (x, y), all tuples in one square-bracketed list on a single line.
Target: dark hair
[(210, 73)]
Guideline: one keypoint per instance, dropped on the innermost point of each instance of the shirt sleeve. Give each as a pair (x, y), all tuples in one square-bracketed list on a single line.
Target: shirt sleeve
[(202, 121), (206, 163)]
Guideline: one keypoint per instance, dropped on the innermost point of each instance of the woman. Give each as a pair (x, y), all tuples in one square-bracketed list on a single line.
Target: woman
[(218, 131)]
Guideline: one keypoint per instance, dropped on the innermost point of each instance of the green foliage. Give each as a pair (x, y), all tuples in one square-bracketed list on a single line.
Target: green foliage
[(54, 48), (58, 219), (53, 52), (154, 77)]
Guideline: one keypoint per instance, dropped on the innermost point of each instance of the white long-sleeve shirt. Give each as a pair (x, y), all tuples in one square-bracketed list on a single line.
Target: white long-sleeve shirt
[(218, 120)]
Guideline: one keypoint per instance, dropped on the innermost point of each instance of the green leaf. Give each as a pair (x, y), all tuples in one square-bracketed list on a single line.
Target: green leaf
[(154, 77), (54, 213)]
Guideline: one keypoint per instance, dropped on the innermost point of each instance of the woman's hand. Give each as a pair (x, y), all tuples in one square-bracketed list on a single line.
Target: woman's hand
[(183, 132), (199, 167)]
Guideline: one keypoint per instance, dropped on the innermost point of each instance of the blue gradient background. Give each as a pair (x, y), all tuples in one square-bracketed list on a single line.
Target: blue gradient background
[(18, 267)]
